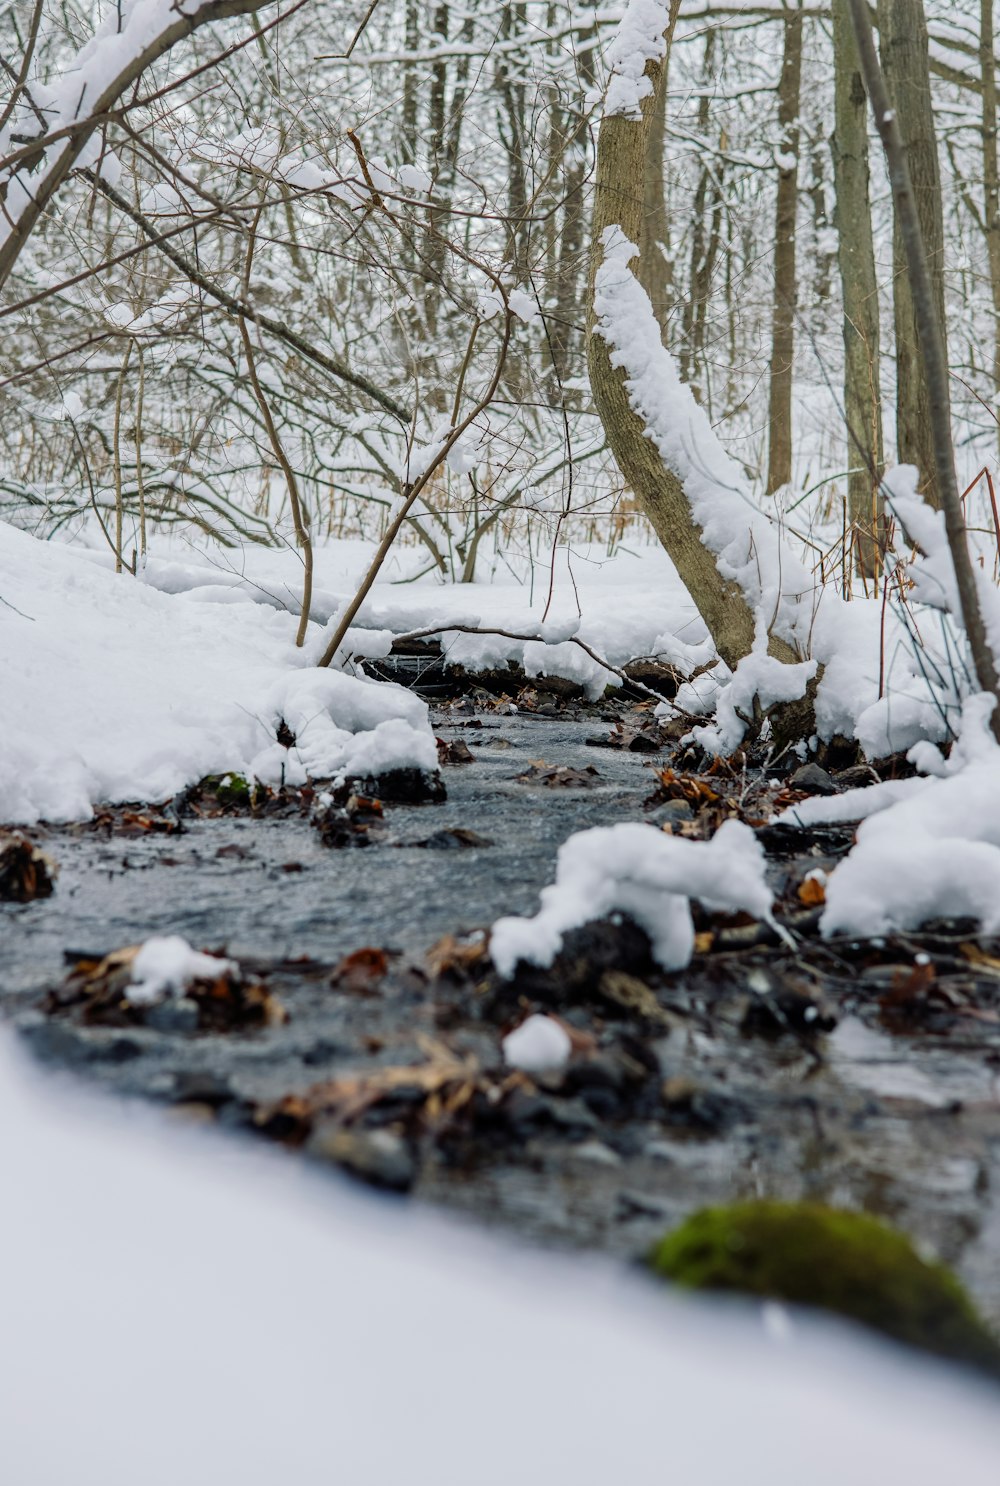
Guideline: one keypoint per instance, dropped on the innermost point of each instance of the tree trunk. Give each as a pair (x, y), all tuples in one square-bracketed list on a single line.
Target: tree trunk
[(564, 332), (619, 202), (991, 175), (704, 242), (779, 448), (654, 260), (903, 45), (856, 260), (935, 362)]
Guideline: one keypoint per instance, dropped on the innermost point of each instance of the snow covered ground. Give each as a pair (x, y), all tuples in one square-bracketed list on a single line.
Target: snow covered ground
[(178, 1308), (114, 690)]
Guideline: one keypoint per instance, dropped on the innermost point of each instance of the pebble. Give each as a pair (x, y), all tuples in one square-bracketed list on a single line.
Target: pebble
[(376, 1156), (596, 1153), (176, 1014), (814, 780)]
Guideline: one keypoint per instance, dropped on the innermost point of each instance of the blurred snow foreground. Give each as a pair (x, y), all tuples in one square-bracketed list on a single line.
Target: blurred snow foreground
[(180, 1308)]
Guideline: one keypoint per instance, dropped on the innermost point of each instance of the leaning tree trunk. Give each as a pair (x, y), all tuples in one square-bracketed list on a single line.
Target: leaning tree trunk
[(904, 49), (991, 174), (856, 260), (622, 143), (654, 263), (779, 444)]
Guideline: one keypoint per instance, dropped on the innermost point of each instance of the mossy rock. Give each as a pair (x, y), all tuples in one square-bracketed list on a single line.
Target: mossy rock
[(231, 791), (838, 1261)]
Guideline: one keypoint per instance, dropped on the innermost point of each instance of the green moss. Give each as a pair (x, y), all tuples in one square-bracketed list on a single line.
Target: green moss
[(228, 789), (836, 1261)]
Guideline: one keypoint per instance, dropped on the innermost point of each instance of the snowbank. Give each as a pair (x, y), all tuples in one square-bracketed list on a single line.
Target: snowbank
[(185, 1309), (638, 870), (927, 847), (112, 690)]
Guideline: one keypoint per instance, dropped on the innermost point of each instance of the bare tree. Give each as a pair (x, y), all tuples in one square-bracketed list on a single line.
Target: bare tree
[(904, 49), (779, 446), (856, 260)]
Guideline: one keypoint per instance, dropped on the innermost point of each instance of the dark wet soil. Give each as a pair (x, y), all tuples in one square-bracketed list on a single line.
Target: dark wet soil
[(862, 1075)]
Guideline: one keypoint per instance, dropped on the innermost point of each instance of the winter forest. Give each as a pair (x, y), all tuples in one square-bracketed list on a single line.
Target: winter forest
[(499, 741)]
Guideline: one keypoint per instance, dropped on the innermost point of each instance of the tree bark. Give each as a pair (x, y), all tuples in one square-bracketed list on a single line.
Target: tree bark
[(932, 349), (705, 232), (856, 261), (619, 201), (904, 49), (654, 260), (991, 175), (779, 447)]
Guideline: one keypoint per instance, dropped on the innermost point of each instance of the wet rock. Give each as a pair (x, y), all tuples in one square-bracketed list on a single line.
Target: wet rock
[(635, 1204), (199, 1086), (786, 1008), (616, 944), (74, 1046), (177, 1014), (690, 1107), (356, 821), (379, 1157), (838, 1261), (814, 780), (454, 838), (671, 813), (595, 1153), (397, 786)]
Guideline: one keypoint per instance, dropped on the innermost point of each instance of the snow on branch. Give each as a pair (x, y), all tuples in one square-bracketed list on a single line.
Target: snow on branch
[(747, 545), (76, 104)]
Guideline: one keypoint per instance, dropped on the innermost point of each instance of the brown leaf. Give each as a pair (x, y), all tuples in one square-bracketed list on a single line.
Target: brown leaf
[(26, 872), (454, 751), (451, 956), (558, 776), (361, 971), (812, 892)]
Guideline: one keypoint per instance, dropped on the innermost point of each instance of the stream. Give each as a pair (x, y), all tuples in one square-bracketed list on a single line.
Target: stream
[(711, 1099)]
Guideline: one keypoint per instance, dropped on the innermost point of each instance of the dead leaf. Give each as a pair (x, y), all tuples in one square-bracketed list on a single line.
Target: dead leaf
[(451, 956), (361, 971), (812, 892), (454, 751), (26, 872), (558, 776)]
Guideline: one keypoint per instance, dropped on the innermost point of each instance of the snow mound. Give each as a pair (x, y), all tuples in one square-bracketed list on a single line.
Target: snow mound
[(167, 966), (637, 870), (927, 847), (113, 690), (539, 1045), (343, 725)]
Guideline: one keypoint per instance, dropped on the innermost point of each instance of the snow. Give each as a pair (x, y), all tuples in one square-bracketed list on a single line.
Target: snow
[(747, 546), (115, 691), (539, 1045), (167, 966), (638, 40), (191, 1309), (640, 871), (759, 676), (927, 847)]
